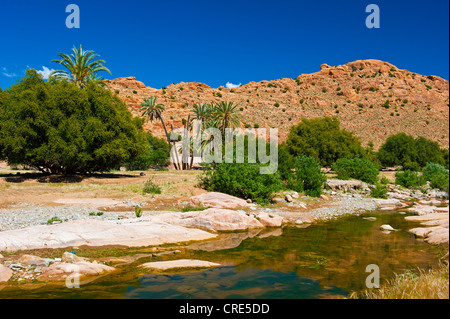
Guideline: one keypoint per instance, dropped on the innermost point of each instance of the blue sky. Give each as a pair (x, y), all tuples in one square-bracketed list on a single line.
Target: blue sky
[(215, 42)]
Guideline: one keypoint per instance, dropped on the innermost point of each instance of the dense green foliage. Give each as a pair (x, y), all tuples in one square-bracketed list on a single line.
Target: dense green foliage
[(379, 191), (412, 154), (357, 168), (437, 175), (409, 179), (308, 176), (242, 180), (323, 139), (59, 128), (156, 155)]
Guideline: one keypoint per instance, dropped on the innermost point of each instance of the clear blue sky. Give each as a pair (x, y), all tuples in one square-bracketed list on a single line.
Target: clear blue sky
[(216, 42)]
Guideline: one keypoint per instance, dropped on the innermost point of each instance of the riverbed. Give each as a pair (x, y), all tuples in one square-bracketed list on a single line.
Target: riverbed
[(322, 260)]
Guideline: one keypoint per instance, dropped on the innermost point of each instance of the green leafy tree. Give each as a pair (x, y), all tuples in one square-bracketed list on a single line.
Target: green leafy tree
[(398, 150), (58, 128), (156, 155), (323, 139), (428, 152), (413, 154), (81, 67)]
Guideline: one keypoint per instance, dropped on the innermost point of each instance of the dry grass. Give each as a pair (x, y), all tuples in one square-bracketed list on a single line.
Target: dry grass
[(431, 284)]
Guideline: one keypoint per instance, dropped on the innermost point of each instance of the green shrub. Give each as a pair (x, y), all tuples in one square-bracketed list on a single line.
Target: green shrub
[(379, 191), (357, 168), (437, 175), (411, 166), (409, 179), (138, 211), (384, 180), (151, 188), (242, 180), (308, 176)]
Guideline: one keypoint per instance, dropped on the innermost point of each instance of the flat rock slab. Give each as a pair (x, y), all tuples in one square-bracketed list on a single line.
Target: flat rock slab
[(213, 219), (130, 232), (432, 235), (177, 264), (219, 200), (5, 273)]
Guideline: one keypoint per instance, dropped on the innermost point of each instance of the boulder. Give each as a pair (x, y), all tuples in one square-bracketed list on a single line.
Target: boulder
[(219, 200), (387, 227), (72, 258), (422, 210), (388, 202), (5, 273), (29, 260), (178, 264), (338, 184), (289, 198), (270, 220)]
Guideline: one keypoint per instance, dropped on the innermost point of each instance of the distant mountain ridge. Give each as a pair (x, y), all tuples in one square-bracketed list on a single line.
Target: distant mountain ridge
[(372, 98)]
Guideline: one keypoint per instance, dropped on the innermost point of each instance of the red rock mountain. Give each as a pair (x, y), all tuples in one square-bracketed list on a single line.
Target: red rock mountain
[(372, 98)]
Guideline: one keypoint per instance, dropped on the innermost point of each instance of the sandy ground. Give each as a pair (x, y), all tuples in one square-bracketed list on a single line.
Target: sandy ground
[(107, 191)]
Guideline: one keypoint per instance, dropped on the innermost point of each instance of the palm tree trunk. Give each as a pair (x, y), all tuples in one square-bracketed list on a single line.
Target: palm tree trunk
[(176, 152), (167, 136)]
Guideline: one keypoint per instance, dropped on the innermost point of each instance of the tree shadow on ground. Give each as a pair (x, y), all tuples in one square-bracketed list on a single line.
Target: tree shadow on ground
[(48, 178)]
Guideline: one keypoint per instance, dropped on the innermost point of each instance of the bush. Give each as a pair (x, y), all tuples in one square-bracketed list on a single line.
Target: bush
[(409, 179), (411, 166), (151, 188), (59, 128), (379, 191), (323, 139), (357, 168), (308, 176), (437, 175), (241, 180)]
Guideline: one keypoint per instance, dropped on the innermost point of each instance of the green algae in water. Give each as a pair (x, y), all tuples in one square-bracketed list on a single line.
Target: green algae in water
[(321, 261)]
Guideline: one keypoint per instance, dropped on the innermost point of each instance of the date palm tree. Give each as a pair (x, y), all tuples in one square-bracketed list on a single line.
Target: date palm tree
[(81, 67), (153, 110), (225, 115)]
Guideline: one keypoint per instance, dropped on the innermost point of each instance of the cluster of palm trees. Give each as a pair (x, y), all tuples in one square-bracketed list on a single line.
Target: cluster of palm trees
[(221, 115), (82, 67)]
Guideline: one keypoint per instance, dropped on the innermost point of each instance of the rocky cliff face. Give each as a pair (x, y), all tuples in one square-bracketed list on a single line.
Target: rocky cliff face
[(373, 98)]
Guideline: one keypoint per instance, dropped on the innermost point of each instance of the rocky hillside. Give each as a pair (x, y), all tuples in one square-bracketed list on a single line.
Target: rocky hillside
[(373, 98)]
